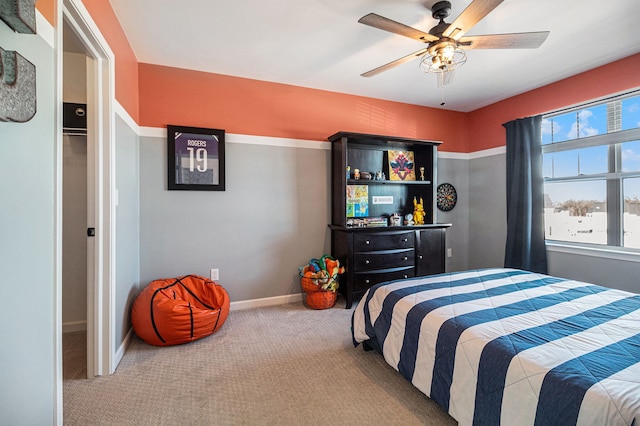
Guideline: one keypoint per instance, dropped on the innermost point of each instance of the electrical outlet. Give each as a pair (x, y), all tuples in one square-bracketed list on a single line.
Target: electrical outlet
[(215, 274), (449, 252)]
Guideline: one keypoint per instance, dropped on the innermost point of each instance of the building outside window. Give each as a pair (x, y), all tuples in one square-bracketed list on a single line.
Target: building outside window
[(591, 169)]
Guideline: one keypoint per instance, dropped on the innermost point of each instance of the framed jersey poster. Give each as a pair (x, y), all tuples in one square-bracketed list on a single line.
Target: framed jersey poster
[(195, 158)]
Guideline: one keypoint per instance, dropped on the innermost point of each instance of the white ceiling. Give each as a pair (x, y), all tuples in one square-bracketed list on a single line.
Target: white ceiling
[(319, 44)]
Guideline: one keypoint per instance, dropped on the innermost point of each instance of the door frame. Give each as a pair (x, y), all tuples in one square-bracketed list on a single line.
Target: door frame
[(101, 177)]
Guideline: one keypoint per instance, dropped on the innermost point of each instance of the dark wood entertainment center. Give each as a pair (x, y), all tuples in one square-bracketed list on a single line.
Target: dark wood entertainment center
[(371, 252)]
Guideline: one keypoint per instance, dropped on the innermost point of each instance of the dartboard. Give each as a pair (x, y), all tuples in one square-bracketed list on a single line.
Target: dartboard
[(446, 197)]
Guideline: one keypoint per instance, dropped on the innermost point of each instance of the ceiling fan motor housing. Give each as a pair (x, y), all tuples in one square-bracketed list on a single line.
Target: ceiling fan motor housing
[(439, 29), (441, 10)]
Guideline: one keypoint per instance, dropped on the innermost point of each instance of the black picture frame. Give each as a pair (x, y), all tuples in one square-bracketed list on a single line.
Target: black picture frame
[(195, 158)]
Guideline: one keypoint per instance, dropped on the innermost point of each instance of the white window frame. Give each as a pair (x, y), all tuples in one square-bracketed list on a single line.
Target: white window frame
[(614, 177)]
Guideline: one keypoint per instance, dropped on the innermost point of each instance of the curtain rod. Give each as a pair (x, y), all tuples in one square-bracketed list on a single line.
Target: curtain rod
[(589, 103)]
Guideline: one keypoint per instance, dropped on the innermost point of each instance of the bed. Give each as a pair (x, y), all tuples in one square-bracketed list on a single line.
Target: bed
[(505, 346)]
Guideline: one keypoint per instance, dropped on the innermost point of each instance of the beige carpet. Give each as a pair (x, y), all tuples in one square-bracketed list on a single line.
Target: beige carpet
[(74, 355), (280, 365)]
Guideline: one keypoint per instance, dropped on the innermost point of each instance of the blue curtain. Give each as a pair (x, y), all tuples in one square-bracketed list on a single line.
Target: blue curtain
[(525, 247)]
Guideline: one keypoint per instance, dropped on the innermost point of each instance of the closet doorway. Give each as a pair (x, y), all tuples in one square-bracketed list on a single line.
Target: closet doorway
[(75, 204), (89, 306)]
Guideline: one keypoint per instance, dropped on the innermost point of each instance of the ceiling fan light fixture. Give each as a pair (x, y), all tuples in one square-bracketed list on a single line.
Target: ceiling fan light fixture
[(447, 53), (442, 59), (444, 53)]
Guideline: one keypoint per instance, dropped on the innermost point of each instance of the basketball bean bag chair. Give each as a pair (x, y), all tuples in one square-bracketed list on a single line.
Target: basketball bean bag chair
[(172, 311)]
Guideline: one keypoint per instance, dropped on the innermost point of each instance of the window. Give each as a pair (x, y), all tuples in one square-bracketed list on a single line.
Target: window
[(591, 169)]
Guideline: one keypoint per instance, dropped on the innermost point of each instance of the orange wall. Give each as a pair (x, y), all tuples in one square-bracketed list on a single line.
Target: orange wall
[(126, 64), (239, 105), (48, 9), (485, 124)]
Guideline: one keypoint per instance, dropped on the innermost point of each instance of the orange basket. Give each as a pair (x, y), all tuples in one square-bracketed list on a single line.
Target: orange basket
[(321, 299), (312, 285)]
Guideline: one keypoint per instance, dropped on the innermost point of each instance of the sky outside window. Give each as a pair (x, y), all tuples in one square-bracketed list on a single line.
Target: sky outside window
[(594, 160), (631, 113), (574, 125), (631, 188), (578, 162), (631, 156)]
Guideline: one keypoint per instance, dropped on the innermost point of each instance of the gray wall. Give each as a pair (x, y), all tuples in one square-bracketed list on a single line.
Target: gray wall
[(271, 219), (456, 172), (127, 226), (615, 273), (27, 243), (487, 211)]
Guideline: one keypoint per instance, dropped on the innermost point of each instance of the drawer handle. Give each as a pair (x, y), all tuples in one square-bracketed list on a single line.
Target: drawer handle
[(405, 240), (420, 257), (405, 258), (367, 242), (366, 281), (366, 262), (406, 276)]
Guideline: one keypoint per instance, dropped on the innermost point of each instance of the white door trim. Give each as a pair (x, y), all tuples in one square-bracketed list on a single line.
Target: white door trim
[(101, 133)]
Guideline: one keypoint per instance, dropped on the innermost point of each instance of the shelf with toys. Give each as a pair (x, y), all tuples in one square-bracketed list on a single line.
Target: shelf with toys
[(382, 176), (385, 182), (383, 197)]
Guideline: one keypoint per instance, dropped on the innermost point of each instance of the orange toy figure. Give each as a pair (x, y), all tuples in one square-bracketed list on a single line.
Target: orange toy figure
[(418, 211)]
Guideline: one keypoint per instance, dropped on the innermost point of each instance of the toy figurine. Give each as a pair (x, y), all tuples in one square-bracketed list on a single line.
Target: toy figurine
[(408, 219), (418, 211)]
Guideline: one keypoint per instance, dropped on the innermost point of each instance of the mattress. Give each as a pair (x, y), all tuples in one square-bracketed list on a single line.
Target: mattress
[(505, 346)]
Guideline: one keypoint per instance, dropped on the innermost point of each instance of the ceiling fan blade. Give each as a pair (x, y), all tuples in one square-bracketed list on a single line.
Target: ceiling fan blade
[(395, 63), (386, 24), (531, 40), (476, 10)]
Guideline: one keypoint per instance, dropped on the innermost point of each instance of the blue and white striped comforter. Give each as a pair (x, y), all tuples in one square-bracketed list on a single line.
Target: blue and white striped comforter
[(503, 346)]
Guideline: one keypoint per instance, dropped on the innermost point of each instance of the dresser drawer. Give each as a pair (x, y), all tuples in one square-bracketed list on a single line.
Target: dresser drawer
[(366, 261), (383, 241), (362, 281)]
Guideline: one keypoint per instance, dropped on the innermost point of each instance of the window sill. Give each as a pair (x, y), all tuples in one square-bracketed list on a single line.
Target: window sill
[(603, 252)]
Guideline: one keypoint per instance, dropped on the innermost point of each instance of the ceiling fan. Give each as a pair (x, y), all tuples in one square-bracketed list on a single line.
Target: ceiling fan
[(446, 42)]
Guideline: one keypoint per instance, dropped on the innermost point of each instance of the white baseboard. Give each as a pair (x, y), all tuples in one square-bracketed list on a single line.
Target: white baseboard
[(123, 348), (267, 301), (71, 326)]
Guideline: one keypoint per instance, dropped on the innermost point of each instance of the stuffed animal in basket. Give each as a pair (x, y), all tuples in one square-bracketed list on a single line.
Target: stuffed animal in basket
[(324, 271)]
